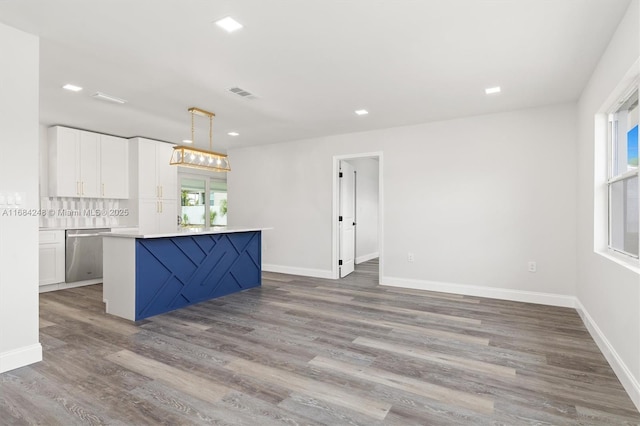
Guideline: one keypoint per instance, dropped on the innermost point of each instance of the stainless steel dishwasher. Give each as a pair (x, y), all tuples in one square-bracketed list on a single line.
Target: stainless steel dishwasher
[(83, 260)]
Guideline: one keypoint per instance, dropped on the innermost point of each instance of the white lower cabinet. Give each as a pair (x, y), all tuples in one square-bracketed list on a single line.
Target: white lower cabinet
[(51, 257), (168, 218), (157, 216)]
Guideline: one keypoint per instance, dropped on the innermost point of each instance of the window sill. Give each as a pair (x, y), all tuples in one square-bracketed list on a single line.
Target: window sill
[(622, 260)]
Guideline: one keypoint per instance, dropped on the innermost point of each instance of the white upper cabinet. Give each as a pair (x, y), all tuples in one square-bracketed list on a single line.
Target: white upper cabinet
[(114, 167), (87, 164), (166, 173), (154, 183), (73, 163), (64, 162), (155, 177), (145, 153)]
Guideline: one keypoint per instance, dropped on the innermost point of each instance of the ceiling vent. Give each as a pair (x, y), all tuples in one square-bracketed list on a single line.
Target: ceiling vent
[(242, 93)]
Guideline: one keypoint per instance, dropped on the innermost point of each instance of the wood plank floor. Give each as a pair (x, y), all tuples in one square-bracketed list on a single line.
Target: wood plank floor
[(301, 351)]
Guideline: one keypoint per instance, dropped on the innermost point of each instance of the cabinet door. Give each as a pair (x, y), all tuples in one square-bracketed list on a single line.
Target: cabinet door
[(114, 167), (51, 259), (168, 216), (148, 215), (167, 174), (64, 162), (147, 182), (89, 164)]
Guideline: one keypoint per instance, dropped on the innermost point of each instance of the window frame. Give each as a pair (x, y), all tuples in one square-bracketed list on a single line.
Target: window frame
[(612, 141)]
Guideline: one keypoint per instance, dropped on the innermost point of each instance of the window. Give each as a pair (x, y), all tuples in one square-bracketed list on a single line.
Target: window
[(624, 214), (201, 198)]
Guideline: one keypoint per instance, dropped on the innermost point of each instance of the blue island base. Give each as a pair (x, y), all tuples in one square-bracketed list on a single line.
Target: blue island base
[(174, 272)]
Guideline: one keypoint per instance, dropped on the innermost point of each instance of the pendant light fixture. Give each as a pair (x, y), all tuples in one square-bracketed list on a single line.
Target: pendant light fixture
[(200, 158)]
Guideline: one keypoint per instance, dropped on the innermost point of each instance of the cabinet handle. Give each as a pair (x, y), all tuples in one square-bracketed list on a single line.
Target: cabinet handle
[(103, 189), (82, 186)]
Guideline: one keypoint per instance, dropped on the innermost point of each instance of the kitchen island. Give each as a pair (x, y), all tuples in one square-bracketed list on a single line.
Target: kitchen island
[(150, 274)]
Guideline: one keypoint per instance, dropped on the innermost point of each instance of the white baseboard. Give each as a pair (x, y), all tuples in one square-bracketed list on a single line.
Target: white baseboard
[(63, 286), (630, 383), (20, 357), (482, 291), (366, 257), (305, 272)]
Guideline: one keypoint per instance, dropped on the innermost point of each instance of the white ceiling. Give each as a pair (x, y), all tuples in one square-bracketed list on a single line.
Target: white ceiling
[(310, 62)]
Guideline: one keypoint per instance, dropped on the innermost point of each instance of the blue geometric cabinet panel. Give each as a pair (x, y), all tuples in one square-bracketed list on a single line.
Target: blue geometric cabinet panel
[(175, 272)]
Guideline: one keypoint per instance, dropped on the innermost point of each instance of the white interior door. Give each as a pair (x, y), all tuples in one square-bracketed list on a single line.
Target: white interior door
[(347, 219)]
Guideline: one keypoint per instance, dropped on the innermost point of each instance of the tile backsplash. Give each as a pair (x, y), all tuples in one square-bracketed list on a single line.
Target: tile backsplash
[(63, 212)]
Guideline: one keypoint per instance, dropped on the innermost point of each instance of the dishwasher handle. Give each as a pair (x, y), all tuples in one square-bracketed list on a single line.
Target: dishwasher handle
[(83, 235)]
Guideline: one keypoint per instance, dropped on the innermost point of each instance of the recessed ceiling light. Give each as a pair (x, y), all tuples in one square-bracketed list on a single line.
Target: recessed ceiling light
[(229, 24), (105, 97), (492, 90), (362, 112), (233, 134), (187, 141), (72, 87)]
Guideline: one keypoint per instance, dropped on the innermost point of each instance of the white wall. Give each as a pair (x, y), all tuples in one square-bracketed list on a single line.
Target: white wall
[(474, 199), (19, 343), (609, 294), (366, 207)]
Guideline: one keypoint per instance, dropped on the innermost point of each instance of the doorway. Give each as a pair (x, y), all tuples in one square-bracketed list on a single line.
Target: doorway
[(357, 212)]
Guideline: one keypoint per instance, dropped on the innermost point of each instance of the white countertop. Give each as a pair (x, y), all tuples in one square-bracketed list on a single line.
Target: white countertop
[(182, 232)]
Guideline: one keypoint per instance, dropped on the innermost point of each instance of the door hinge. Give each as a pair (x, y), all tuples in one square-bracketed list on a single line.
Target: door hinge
[(340, 262), (340, 174), (339, 218)]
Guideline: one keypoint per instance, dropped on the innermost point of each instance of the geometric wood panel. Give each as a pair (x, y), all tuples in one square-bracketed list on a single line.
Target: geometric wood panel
[(174, 272)]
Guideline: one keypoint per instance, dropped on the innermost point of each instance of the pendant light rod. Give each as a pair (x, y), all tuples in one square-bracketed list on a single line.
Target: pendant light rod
[(203, 113)]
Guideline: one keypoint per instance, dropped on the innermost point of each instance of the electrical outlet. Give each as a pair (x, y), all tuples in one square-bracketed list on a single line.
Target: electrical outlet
[(533, 267), (410, 257)]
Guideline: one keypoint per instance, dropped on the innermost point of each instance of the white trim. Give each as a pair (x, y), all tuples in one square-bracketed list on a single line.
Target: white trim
[(63, 286), (292, 270), (364, 258), (20, 357), (335, 271), (622, 259), (630, 383), (626, 175), (550, 299)]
